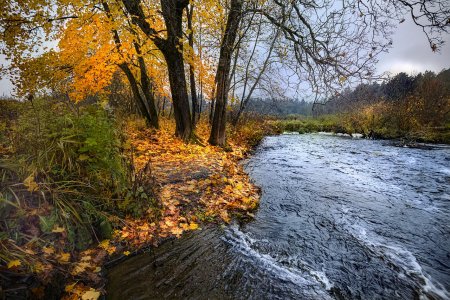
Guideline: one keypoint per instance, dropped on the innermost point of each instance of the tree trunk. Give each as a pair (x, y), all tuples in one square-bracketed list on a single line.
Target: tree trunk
[(172, 49), (144, 105), (147, 89), (163, 107), (178, 89), (246, 98), (217, 136), (194, 99), (136, 94), (211, 109)]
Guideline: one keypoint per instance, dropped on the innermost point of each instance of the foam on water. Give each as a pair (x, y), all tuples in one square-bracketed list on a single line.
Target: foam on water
[(445, 171), (242, 243), (320, 276), (401, 258)]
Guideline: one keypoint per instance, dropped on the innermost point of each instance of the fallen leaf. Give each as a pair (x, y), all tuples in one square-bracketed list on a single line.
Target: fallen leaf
[(193, 226), (48, 250), (86, 258), (104, 244), (64, 257), (14, 263), (176, 231), (83, 157), (80, 268), (58, 229), (29, 251), (90, 295), (224, 216), (68, 288), (30, 184)]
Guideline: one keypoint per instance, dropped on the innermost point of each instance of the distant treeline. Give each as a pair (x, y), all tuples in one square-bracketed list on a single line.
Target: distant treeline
[(413, 107), (416, 108), (433, 89), (429, 90), (279, 107)]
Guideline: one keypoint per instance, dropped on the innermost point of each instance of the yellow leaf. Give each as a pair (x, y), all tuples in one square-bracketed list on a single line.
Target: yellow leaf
[(14, 263), (111, 250), (68, 288), (80, 268), (90, 295), (86, 258), (64, 257), (29, 251), (224, 216), (239, 186), (58, 229), (169, 223), (176, 231), (193, 226), (48, 250), (104, 244), (126, 253), (30, 184)]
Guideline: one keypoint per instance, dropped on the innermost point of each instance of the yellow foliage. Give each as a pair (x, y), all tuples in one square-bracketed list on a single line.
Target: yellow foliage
[(30, 184), (13, 264), (90, 295)]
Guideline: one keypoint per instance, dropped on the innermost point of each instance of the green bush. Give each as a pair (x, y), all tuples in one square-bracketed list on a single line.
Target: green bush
[(71, 157)]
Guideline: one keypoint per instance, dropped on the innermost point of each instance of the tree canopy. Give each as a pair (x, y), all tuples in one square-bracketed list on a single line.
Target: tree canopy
[(75, 48)]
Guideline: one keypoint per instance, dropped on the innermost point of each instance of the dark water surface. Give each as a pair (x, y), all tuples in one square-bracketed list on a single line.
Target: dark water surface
[(339, 219)]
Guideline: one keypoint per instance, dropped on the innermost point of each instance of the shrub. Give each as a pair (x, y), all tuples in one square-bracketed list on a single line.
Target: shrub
[(69, 162)]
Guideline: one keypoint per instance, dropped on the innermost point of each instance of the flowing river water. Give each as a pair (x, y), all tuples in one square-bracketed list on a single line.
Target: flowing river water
[(339, 218)]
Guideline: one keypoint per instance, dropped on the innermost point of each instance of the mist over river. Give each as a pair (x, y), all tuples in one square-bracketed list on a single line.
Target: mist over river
[(339, 218)]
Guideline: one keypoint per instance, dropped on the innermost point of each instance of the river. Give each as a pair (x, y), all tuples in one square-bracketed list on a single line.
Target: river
[(339, 218)]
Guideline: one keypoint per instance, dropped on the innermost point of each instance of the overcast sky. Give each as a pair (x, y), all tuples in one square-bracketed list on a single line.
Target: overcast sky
[(410, 53)]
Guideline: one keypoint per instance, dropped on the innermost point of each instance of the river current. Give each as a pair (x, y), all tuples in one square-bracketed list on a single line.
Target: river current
[(339, 218)]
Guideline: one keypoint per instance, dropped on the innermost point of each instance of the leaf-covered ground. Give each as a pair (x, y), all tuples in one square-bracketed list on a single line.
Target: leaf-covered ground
[(193, 184)]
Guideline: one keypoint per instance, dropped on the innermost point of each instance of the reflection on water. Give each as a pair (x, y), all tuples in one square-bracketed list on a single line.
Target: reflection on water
[(339, 219)]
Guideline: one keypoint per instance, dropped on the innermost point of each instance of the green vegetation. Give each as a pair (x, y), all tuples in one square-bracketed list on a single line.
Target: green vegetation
[(412, 108), (63, 168), (302, 124)]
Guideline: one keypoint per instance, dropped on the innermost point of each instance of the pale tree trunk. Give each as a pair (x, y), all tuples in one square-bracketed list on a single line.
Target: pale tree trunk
[(217, 136), (212, 106), (246, 98)]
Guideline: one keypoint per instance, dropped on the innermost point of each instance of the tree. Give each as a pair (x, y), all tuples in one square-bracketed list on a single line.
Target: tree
[(327, 45), (147, 106), (251, 81), (399, 87), (332, 45), (194, 101), (172, 49), (217, 136)]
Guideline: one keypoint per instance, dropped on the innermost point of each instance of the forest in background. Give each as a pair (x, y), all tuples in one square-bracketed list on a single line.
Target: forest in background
[(412, 108)]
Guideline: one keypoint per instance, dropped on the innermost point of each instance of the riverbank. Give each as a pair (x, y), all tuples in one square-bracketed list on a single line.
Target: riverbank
[(181, 188), (374, 128), (339, 218), (114, 188)]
